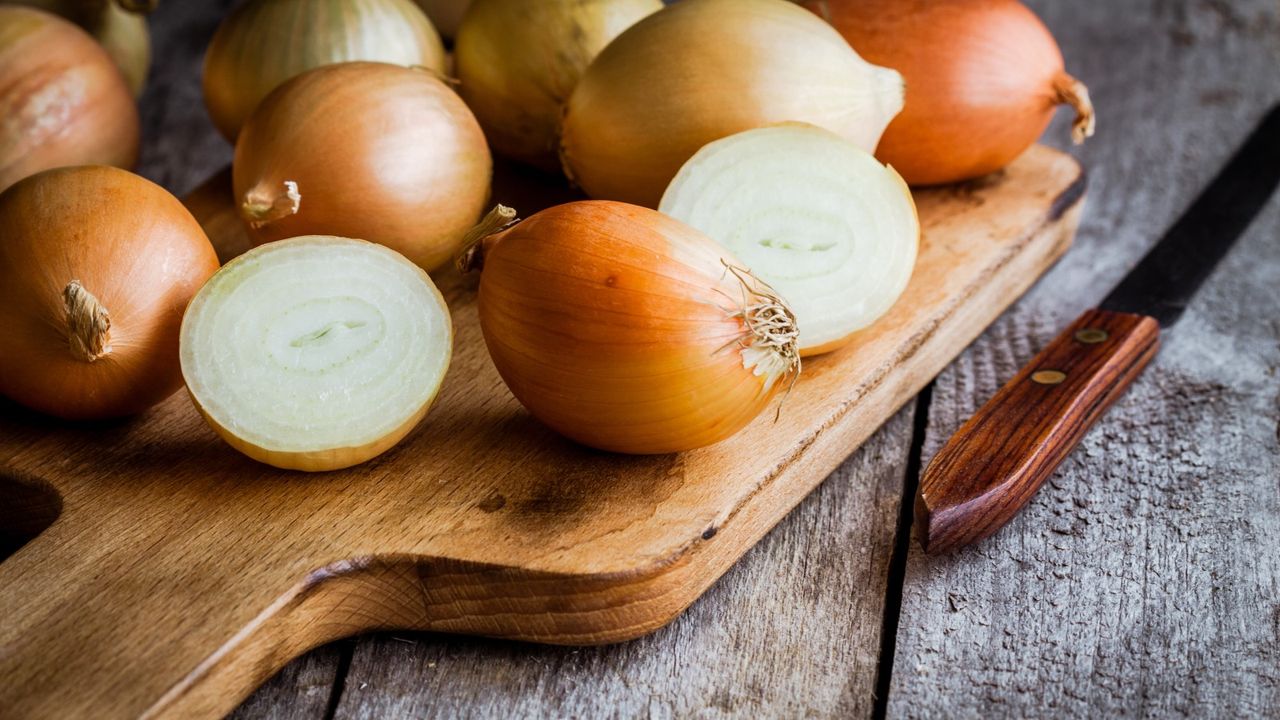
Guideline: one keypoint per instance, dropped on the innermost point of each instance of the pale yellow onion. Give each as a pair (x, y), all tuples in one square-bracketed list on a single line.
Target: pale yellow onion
[(629, 331), (62, 100), (119, 25), (316, 353), (266, 42), (446, 15), (518, 61), (700, 70), (380, 152)]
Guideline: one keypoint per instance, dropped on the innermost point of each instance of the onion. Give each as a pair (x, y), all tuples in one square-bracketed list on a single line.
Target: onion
[(119, 25), (700, 70), (62, 100), (446, 15), (626, 330), (96, 268), (369, 150), (266, 42), (828, 227), (517, 62), (316, 353), (983, 79)]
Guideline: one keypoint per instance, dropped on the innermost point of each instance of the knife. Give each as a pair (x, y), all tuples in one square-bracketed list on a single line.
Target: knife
[(997, 460)]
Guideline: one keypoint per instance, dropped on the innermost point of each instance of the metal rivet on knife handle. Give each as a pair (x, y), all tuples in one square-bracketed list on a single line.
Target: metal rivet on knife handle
[(1091, 336), (1048, 377)]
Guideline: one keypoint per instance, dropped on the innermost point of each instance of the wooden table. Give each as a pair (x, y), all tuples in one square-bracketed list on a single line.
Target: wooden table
[(1143, 580)]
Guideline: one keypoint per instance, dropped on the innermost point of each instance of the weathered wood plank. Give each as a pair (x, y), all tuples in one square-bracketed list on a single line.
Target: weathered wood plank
[(792, 630), (1144, 579)]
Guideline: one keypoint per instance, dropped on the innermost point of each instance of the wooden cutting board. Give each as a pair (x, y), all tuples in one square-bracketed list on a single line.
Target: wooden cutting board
[(178, 574)]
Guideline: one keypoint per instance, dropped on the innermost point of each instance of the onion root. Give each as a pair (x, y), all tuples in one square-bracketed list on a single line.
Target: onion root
[(264, 206)]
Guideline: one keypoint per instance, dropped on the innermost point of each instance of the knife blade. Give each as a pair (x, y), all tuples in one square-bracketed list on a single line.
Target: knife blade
[(998, 458)]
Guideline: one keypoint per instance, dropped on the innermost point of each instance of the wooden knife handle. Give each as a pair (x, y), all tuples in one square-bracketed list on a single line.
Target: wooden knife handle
[(998, 459)]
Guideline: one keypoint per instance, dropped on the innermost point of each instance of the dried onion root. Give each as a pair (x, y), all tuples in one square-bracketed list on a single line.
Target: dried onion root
[(825, 224)]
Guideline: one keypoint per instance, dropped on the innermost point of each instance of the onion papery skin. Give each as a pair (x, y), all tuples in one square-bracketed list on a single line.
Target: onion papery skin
[(62, 99), (375, 151), (700, 70), (827, 226), (263, 43), (446, 15), (983, 80), (518, 61), (281, 345), (615, 325), (130, 244), (122, 32)]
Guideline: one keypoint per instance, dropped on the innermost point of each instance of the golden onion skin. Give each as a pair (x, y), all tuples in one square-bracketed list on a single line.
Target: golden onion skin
[(518, 61), (129, 243), (263, 43), (700, 70), (123, 33), (62, 99), (613, 324), (414, 180), (985, 75)]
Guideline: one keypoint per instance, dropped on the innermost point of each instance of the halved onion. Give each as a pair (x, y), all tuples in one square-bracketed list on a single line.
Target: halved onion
[(316, 353), (825, 224)]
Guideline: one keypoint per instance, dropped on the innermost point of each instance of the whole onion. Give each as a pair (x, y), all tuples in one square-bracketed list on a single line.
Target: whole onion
[(373, 151), (266, 42), (517, 62), (96, 268), (119, 25), (62, 99), (984, 78), (700, 70), (627, 330)]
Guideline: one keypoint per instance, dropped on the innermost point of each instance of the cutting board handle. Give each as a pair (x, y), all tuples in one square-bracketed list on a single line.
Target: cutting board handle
[(998, 459)]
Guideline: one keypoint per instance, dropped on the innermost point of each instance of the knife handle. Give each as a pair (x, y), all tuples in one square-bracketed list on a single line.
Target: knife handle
[(997, 460)]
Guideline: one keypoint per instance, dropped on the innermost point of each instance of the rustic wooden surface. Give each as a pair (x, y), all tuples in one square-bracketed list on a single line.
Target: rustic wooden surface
[(482, 522), (1142, 580)]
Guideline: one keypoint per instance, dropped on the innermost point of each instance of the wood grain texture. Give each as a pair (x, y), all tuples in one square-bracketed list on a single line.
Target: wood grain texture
[(216, 571), (1144, 579), (1001, 455)]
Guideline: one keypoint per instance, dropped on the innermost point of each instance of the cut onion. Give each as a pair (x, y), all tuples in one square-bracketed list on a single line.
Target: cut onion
[(825, 224), (316, 353)]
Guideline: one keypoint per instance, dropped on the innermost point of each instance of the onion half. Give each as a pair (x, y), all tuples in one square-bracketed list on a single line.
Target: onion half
[(825, 224), (626, 330), (380, 152), (62, 99), (316, 353), (700, 70), (96, 268), (984, 78), (265, 42), (517, 62)]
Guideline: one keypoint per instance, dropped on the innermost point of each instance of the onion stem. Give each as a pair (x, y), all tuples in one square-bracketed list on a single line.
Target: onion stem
[(88, 323), (472, 256), (261, 206), (1074, 93)]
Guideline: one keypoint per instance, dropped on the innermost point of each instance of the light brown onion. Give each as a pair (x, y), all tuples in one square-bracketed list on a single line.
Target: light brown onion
[(518, 61), (367, 150), (119, 25), (265, 42), (983, 80), (700, 70), (97, 266), (62, 99), (627, 330)]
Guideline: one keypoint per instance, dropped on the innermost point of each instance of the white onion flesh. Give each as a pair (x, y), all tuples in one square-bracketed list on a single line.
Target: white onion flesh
[(833, 231), (317, 352)]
